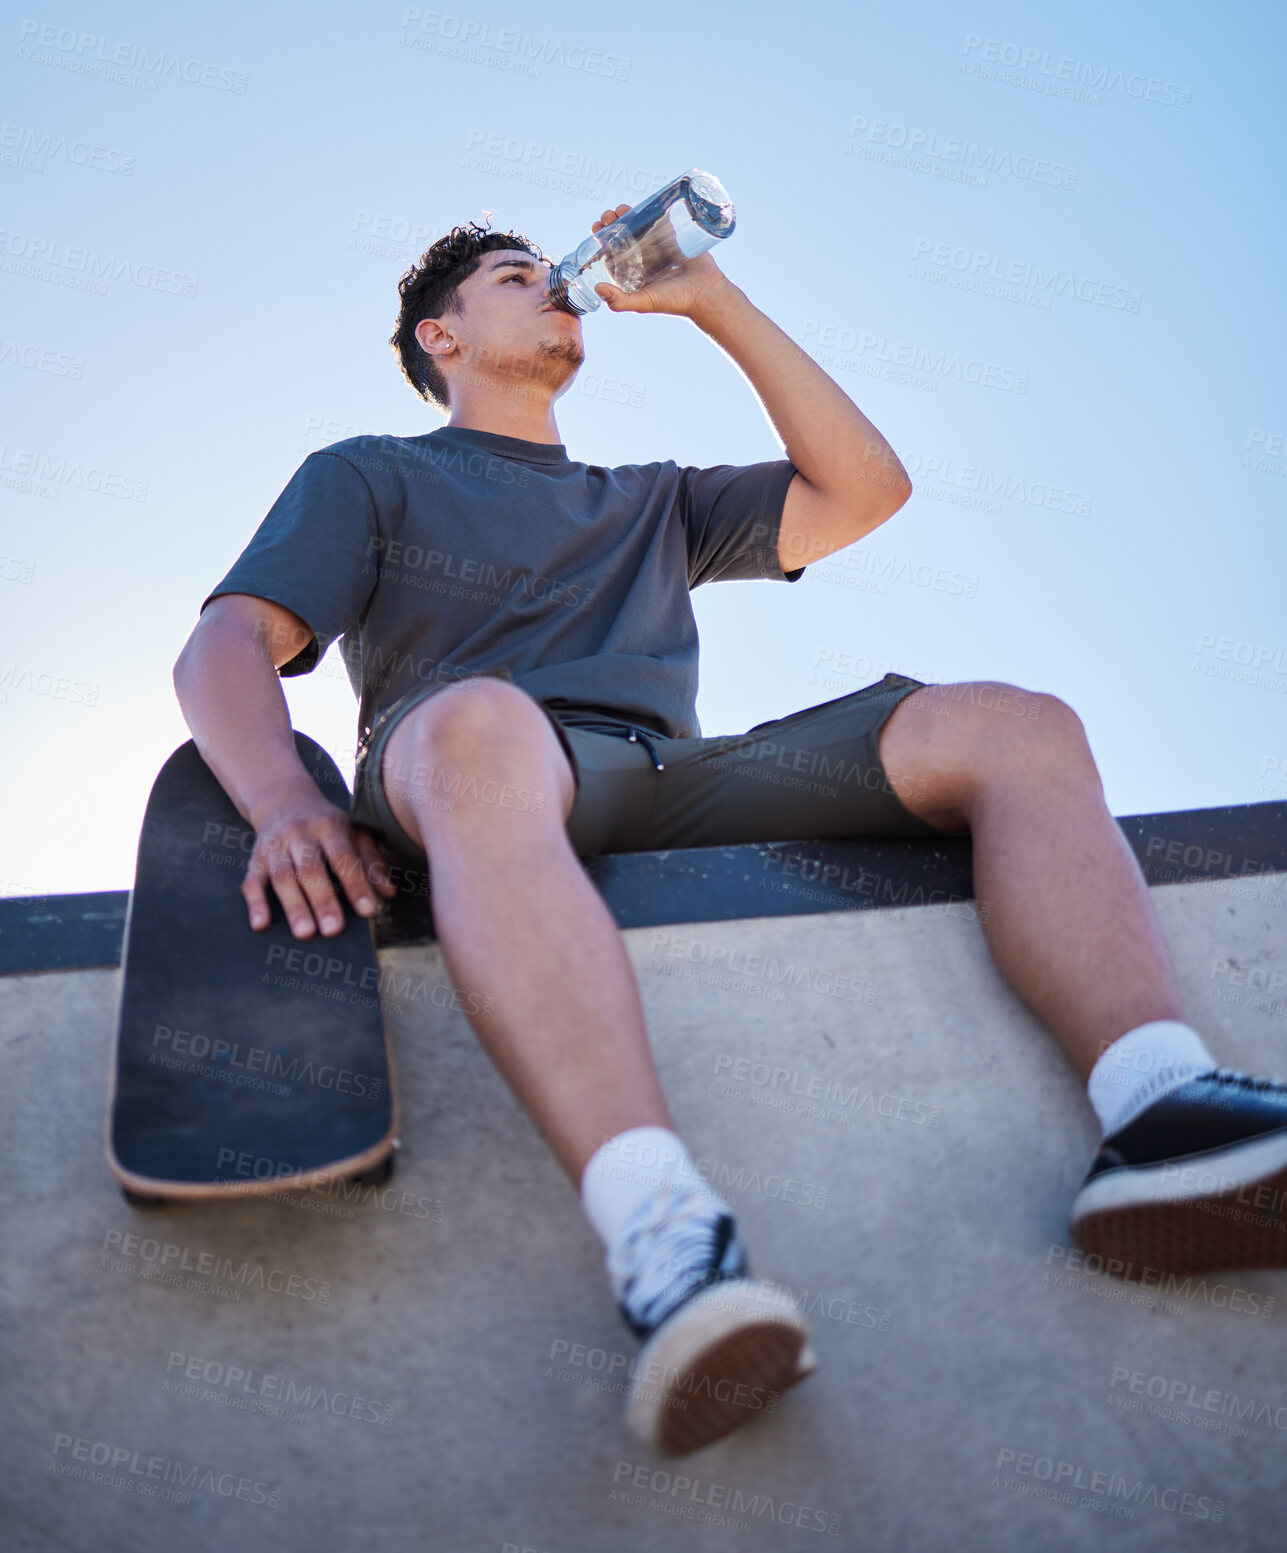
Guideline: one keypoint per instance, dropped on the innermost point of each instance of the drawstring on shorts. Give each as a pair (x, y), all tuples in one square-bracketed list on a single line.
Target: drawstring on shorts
[(637, 736)]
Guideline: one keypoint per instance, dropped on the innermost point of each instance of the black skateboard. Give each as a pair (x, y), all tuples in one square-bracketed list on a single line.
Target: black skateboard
[(245, 1062)]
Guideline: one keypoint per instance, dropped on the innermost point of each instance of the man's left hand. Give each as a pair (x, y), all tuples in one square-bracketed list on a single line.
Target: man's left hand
[(680, 291)]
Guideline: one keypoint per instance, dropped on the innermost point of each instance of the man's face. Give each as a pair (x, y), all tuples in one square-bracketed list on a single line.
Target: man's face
[(505, 330)]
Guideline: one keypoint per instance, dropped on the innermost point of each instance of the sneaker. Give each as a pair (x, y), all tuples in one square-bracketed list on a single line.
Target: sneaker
[(719, 1347), (1197, 1180)]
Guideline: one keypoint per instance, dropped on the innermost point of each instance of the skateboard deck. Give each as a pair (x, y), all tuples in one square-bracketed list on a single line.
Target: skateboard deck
[(245, 1062)]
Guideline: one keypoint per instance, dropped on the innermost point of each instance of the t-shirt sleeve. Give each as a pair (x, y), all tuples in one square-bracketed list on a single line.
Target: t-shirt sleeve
[(315, 553), (732, 514)]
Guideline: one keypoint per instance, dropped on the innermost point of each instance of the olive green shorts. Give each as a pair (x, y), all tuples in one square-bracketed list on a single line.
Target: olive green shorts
[(813, 775)]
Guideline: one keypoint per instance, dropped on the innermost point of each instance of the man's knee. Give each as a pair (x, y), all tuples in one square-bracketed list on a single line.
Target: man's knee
[(1011, 729), (478, 717), (466, 710), (991, 709), (1058, 722), (1044, 720), (482, 738), (959, 738)]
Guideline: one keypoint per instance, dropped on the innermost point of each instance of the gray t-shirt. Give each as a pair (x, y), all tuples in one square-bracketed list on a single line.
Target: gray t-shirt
[(460, 551)]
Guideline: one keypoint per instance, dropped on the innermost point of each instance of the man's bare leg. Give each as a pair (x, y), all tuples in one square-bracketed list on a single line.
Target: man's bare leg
[(517, 917), (1069, 921)]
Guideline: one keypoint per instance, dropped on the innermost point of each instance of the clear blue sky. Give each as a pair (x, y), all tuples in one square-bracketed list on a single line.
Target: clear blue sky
[(947, 203)]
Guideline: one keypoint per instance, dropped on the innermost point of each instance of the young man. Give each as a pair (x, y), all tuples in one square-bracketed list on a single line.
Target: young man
[(519, 630)]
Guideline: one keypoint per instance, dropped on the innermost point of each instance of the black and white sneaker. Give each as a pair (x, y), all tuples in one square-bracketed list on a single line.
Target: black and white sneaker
[(719, 1346), (1197, 1180)]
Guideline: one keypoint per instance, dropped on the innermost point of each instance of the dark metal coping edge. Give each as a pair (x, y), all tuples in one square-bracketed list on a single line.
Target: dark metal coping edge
[(722, 884)]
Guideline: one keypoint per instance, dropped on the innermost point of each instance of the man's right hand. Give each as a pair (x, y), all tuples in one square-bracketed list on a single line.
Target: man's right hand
[(294, 842)]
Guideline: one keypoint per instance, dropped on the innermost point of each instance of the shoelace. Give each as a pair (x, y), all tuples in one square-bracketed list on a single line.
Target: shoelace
[(679, 1241), (1246, 1080)]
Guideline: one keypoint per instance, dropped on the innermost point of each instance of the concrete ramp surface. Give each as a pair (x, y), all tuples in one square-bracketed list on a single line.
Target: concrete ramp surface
[(438, 1363)]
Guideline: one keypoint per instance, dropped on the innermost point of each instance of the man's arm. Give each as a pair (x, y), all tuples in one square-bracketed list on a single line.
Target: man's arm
[(228, 689), (849, 479)]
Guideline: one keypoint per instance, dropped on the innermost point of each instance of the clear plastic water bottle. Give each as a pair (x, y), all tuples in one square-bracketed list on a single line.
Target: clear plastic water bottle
[(691, 214)]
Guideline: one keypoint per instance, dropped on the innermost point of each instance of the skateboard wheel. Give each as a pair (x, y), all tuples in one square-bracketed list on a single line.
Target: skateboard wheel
[(141, 1199), (377, 1175)]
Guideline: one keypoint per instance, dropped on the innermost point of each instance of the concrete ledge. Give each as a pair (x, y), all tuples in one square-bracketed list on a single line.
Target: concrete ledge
[(717, 884), (901, 1140)]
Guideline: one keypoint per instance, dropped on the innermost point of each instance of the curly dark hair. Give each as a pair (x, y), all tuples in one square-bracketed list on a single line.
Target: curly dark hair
[(428, 290)]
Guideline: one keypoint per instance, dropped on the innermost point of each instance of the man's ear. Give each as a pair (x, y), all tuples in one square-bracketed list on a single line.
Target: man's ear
[(433, 338)]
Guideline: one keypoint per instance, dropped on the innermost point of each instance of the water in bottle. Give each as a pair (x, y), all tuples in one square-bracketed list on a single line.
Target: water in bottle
[(691, 214)]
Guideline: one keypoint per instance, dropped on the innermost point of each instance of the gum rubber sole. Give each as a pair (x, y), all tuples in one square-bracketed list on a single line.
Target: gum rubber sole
[(1223, 1209), (723, 1358)]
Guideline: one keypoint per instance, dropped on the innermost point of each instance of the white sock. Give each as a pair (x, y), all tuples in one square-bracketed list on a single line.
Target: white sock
[(626, 1171), (1141, 1065)]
